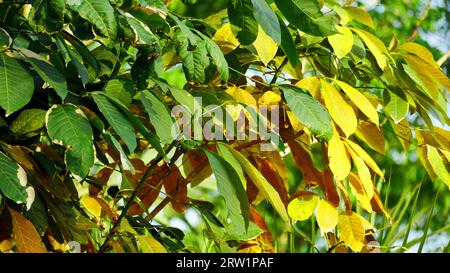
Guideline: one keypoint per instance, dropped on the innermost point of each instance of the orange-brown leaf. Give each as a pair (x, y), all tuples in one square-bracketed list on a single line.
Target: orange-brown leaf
[(25, 234)]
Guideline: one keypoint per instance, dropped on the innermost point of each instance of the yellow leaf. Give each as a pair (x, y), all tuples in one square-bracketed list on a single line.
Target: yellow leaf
[(241, 95), (261, 183), (421, 76), (378, 206), (351, 230), (341, 112), (422, 67), (360, 15), (296, 124), (371, 134), (327, 216), (150, 245), (363, 103), (339, 160), (265, 47), (420, 51), (311, 84), (367, 225), (92, 206), (25, 234), (302, 207), (358, 191), (365, 156), (442, 137), (437, 164), (342, 42), (403, 132), (269, 98), (363, 173), (225, 39), (6, 245), (446, 154), (375, 46)]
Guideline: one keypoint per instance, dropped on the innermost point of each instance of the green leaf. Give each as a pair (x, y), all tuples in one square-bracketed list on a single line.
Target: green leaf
[(186, 31), (437, 164), (287, 44), (47, 72), (28, 122), (309, 112), (195, 60), (47, 15), (150, 137), (121, 89), (67, 125), (229, 157), (5, 39), (261, 183), (16, 85), (126, 164), (82, 50), (217, 56), (395, 105), (306, 16), (242, 19), (143, 67), (232, 191), (267, 19), (143, 34), (100, 13), (117, 120), (14, 179), (160, 117)]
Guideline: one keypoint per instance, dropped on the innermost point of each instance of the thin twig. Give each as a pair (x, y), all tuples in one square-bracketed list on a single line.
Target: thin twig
[(419, 23), (133, 196)]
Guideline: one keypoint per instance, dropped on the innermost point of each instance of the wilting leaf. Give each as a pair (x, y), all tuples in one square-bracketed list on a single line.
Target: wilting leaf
[(25, 235)]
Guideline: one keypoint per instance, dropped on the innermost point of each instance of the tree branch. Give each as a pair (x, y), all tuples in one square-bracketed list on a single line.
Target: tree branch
[(422, 18), (133, 196)]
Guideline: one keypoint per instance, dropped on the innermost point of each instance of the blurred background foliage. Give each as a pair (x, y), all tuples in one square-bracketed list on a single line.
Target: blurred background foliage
[(421, 226)]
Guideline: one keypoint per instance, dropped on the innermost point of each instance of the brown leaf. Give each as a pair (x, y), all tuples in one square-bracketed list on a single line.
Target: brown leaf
[(311, 175), (269, 171), (329, 187), (176, 188), (150, 191), (25, 235), (106, 209)]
